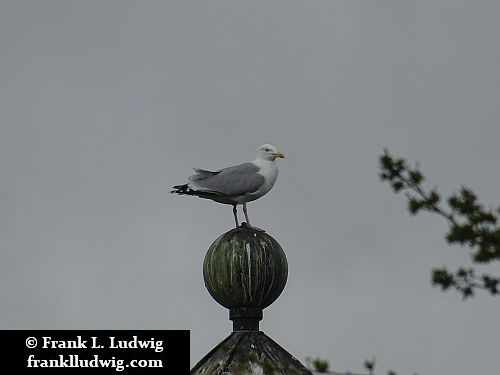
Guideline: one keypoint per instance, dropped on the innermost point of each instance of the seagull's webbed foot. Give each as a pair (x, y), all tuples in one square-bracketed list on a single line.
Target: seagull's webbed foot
[(246, 225)]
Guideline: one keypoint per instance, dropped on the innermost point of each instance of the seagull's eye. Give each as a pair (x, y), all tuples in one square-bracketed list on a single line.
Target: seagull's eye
[(267, 150)]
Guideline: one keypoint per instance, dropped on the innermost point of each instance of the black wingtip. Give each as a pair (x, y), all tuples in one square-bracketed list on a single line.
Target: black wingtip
[(183, 190)]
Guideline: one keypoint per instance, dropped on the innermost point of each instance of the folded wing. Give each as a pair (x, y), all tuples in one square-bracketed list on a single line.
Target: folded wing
[(233, 181)]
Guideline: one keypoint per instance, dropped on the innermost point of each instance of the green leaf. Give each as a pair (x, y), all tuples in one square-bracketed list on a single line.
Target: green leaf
[(441, 277), (416, 176), (414, 205), (320, 365)]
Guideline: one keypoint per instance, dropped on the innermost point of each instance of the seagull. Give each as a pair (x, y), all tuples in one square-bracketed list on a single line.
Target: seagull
[(236, 185)]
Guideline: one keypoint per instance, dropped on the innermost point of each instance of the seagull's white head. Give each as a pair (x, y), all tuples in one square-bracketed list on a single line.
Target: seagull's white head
[(268, 152)]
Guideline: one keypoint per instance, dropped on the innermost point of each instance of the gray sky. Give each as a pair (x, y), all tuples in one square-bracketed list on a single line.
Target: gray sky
[(104, 105)]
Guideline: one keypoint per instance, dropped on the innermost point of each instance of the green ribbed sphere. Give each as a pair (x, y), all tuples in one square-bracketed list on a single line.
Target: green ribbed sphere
[(245, 268)]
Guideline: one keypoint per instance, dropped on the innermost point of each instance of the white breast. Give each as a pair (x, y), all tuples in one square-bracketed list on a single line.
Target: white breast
[(268, 170)]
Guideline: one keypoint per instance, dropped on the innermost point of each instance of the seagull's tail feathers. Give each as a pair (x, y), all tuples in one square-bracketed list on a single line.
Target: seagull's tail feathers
[(201, 174), (195, 185)]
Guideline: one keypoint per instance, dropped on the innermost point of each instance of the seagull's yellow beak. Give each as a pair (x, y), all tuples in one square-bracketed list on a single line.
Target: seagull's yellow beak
[(279, 154)]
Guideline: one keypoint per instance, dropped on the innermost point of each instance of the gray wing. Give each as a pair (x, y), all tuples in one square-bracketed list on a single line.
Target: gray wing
[(233, 181)]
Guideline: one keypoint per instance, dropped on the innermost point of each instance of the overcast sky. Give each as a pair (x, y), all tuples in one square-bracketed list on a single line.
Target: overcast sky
[(104, 105)]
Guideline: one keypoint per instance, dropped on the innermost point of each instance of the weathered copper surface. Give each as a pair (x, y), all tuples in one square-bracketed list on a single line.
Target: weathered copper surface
[(249, 353)]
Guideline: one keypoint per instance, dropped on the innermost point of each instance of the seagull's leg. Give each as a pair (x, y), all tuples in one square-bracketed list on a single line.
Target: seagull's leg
[(235, 213), (248, 220), (246, 214)]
